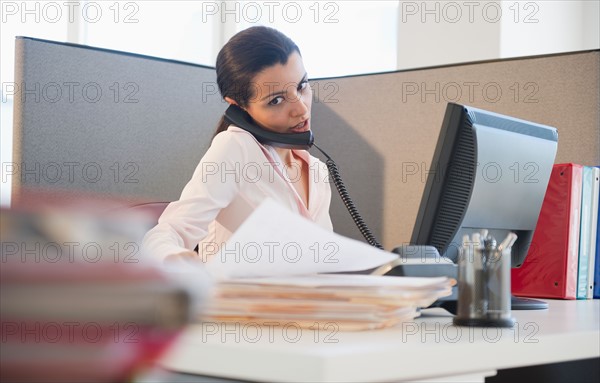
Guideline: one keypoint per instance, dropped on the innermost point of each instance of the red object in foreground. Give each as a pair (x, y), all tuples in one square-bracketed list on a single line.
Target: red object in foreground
[(78, 301)]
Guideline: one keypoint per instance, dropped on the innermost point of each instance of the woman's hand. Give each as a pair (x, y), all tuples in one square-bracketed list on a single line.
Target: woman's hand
[(184, 256)]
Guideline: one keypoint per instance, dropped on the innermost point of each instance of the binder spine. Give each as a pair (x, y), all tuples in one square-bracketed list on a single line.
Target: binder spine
[(574, 218), (584, 233), (594, 266)]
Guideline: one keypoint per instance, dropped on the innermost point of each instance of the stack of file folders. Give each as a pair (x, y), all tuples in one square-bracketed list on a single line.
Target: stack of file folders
[(346, 302)]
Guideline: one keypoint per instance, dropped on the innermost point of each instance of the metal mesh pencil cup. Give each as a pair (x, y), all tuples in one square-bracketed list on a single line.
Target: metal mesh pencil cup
[(484, 282)]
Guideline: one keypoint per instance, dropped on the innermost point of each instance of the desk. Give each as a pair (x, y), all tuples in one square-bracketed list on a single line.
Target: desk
[(429, 348)]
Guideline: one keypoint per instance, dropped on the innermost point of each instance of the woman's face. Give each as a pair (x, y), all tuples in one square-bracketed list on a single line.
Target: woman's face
[(282, 97)]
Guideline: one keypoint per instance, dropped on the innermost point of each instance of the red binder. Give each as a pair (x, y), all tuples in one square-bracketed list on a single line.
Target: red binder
[(550, 269)]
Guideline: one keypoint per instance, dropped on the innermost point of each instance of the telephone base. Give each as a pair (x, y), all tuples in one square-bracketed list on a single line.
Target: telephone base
[(424, 261)]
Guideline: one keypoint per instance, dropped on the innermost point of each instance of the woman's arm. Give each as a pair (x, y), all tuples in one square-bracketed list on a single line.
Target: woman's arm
[(212, 187)]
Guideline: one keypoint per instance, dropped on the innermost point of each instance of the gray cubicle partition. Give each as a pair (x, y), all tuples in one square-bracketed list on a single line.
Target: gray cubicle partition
[(109, 122), (132, 126)]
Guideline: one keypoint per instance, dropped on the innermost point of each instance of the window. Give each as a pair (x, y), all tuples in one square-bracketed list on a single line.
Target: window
[(169, 29), (336, 38)]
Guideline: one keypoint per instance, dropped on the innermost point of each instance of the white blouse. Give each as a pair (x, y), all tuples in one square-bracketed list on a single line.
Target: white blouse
[(235, 175)]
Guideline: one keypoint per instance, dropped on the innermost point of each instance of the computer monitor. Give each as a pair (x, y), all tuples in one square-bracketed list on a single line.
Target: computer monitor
[(489, 171)]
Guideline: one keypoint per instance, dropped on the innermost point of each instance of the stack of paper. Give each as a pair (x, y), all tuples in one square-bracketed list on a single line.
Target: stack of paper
[(348, 302), (281, 282)]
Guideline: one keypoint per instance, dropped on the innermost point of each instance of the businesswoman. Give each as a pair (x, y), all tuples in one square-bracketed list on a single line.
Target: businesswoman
[(261, 71)]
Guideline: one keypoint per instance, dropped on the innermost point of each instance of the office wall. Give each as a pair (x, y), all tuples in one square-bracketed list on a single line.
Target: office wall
[(144, 136), (442, 32), (544, 27)]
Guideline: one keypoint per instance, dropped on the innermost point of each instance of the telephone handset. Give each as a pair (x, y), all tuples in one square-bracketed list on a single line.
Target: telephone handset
[(305, 141), (241, 119)]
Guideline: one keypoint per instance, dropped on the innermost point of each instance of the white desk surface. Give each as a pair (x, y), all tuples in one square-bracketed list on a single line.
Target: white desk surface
[(426, 348)]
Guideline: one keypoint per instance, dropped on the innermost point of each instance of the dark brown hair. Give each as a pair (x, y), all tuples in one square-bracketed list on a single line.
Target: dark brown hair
[(243, 57)]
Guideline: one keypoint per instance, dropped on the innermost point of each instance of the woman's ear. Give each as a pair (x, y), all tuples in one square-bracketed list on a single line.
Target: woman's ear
[(230, 100)]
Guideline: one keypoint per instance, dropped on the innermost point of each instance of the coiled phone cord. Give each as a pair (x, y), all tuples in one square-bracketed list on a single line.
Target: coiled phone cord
[(341, 188)]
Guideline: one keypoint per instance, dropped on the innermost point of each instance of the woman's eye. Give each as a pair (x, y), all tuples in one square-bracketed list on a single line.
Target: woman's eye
[(276, 101), (303, 85)]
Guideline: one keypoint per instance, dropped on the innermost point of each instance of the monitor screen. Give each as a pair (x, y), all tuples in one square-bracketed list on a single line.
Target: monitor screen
[(489, 171)]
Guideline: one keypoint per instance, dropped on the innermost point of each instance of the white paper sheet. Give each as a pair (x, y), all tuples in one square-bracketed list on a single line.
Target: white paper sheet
[(274, 241)]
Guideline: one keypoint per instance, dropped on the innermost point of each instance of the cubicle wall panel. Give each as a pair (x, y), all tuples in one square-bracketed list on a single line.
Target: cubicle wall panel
[(105, 122), (395, 118)]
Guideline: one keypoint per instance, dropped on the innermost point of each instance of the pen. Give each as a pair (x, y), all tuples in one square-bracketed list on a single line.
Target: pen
[(508, 241)]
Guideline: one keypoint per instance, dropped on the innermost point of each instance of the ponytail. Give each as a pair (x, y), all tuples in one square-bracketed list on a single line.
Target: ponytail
[(221, 126)]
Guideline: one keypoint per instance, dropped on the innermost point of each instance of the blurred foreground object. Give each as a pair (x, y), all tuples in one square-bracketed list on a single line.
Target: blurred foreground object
[(79, 301)]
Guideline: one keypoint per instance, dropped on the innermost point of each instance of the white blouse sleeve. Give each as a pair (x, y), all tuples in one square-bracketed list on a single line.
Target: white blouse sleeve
[(212, 187)]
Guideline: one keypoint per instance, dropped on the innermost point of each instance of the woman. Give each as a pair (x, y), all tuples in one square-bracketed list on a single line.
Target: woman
[(261, 71)]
